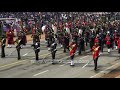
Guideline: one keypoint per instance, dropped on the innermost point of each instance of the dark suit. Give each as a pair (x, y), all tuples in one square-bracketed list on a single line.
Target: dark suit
[(3, 42), (18, 47), (36, 46)]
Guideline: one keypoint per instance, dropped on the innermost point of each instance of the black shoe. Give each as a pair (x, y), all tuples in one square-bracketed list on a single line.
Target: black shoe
[(95, 69), (53, 63), (19, 58), (72, 65), (64, 51), (79, 53), (2, 57)]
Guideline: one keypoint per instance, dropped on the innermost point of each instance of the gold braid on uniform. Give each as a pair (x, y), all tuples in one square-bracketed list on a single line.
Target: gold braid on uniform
[(95, 49), (16, 41), (71, 47)]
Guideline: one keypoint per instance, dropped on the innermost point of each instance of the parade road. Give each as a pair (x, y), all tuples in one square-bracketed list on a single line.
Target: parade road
[(10, 67)]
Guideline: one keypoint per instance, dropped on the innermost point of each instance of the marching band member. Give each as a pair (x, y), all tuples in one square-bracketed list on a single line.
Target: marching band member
[(73, 48), (53, 49), (36, 46), (66, 41), (10, 36), (118, 43), (108, 43), (3, 42), (95, 50), (81, 44), (96, 40), (18, 46), (116, 39)]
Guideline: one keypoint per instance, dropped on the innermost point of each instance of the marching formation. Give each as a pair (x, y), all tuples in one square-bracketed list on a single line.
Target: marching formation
[(73, 31)]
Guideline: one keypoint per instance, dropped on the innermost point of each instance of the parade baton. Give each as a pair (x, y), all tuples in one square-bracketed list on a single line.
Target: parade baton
[(87, 63), (30, 51), (12, 52), (67, 57), (45, 57), (48, 54)]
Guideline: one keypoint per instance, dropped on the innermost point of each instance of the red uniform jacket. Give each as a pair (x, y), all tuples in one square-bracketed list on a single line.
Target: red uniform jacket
[(107, 40), (33, 30), (95, 50), (10, 36), (70, 24), (61, 26), (118, 42), (96, 40), (73, 48)]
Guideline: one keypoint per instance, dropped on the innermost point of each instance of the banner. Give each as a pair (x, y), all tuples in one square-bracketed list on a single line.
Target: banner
[(5, 28)]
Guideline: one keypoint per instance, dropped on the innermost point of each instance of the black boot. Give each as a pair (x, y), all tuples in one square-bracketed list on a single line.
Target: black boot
[(53, 62)]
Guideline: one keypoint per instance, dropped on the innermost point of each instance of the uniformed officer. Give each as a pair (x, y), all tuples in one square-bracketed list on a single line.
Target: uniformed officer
[(75, 37), (10, 36), (101, 42), (23, 37), (3, 43), (95, 50), (91, 41), (60, 37), (73, 48), (118, 44), (81, 46), (96, 40), (53, 49), (108, 42), (116, 39), (35, 37), (49, 39), (66, 41), (18, 47), (112, 41), (36, 46)]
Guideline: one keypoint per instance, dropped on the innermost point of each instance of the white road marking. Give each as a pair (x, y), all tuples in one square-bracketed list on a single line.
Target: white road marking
[(25, 54), (62, 65), (104, 70), (41, 73), (17, 61), (84, 57), (12, 63)]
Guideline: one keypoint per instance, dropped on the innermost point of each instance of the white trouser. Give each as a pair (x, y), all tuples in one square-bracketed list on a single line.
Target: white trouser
[(108, 50), (48, 49), (72, 63), (9, 45), (61, 46)]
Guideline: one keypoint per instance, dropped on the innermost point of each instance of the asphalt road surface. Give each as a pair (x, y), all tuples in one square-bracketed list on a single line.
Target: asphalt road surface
[(10, 67)]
